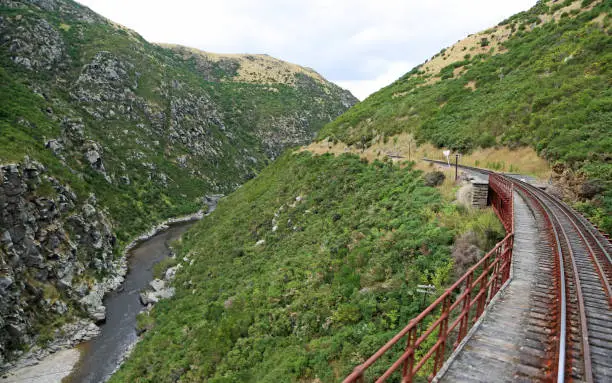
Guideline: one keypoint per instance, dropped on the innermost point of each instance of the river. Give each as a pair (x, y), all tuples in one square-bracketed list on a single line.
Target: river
[(101, 356)]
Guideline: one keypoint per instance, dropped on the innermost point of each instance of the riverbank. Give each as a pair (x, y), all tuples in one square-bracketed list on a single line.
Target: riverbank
[(51, 369), (36, 361)]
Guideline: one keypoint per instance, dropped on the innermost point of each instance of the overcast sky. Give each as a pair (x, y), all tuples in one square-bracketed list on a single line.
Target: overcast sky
[(361, 45)]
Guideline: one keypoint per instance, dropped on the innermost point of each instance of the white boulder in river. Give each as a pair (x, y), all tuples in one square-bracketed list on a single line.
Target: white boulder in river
[(160, 291)]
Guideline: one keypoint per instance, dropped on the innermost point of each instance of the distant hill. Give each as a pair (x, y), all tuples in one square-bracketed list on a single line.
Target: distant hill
[(103, 135), (541, 78), (250, 68)]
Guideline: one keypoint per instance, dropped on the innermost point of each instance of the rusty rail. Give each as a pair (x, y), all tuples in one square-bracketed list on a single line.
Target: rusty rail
[(455, 311), (569, 353)]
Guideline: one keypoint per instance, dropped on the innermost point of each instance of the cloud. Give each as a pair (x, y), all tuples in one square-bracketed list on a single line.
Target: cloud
[(357, 43), (377, 34), (363, 88)]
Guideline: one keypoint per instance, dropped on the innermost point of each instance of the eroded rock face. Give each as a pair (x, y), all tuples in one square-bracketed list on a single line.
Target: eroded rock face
[(33, 43), (48, 238), (107, 104), (106, 78), (573, 185), (191, 118)]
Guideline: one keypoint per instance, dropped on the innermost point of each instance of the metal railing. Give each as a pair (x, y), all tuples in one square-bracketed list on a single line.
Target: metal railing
[(453, 313), (501, 199)]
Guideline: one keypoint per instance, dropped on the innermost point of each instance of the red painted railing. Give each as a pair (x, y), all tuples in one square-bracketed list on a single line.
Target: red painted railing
[(500, 196), (451, 315)]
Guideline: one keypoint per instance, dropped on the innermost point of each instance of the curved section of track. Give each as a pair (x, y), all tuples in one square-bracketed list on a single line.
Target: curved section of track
[(565, 312), (586, 353), (583, 350)]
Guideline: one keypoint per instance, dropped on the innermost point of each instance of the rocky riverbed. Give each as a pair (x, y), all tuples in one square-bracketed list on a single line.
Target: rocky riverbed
[(117, 299)]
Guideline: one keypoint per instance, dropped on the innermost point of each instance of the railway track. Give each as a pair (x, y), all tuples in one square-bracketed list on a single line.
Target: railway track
[(585, 338), (582, 316), (562, 302)]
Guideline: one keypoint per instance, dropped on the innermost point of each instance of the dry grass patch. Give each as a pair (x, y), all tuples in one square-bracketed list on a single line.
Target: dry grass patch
[(398, 148), (473, 45), (430, 80), (600, 20), (399, 94), (402, 147), (576, 5), (471, 85), (254, 68), (458, 71), (522, 160)]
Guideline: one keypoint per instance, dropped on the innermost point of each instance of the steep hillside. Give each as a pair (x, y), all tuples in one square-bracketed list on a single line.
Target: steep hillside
[(103, 134), (541, 78), (302, 273), (282, 103)]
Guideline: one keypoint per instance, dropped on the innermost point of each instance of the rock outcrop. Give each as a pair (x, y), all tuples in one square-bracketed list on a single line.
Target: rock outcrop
[(52, 244), (159, 290), (103, 135), (34, 44)]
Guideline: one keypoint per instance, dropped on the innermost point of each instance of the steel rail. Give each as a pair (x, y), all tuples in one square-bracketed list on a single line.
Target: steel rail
[(598, 267), (588, 370), (592, 241), (583, 321), (552, 211), (562, 330), (585, 223), (576, 217), (562, 280)]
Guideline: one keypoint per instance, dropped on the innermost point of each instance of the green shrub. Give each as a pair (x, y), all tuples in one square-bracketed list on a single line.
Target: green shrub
[(159, 269), (549, 98), (337, 273)]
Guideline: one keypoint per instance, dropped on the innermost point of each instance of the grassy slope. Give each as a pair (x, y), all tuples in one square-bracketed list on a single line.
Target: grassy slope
[(550, 89), (332, 283)]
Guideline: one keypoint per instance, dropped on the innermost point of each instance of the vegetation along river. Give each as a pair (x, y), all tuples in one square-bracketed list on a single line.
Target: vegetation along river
[(101, 356)]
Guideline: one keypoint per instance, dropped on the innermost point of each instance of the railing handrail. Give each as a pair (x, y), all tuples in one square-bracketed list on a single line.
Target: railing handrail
[(486, 287), (447, 293)]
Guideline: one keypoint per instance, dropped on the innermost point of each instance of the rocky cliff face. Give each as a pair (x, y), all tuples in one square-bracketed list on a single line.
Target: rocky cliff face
[(52, 247), (102, 135)]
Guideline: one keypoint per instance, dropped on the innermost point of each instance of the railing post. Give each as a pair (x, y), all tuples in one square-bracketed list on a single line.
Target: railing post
[(496, 274), (442, 335), (409, 362), (483, 286), (507, 259), (465, 312)]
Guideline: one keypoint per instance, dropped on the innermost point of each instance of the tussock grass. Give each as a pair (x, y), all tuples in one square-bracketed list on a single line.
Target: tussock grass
[(402, 147), (254, 68)]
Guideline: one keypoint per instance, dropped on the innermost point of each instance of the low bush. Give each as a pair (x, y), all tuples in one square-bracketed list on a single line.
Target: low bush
[(314, 262), (435, 178)]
